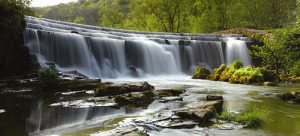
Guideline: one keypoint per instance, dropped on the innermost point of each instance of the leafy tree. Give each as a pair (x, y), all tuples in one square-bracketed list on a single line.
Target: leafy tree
[(279, 51), (14, 57)]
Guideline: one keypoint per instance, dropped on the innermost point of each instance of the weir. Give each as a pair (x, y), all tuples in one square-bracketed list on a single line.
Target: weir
[(99, 52)]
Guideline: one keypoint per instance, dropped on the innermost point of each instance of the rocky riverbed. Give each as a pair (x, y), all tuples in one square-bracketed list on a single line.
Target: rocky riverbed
[(127, 107)]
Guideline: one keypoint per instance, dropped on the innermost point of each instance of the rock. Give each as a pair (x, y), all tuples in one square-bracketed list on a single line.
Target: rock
[(200, 111), (201, 73), (51, 65), (170, 99), (135, 99), (118, 89), (297, 100), (171, 92), (213, 97), (133, 71), (176, 124), (297, 94), (286, 96), (75, 93), (269, 84)]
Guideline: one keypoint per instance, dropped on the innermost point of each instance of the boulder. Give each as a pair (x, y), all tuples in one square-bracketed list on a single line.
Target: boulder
[(201, 73), (213, 97), (297, 100), (135, 99), (171, 92), (118, 89), (200, 111), (286, 96)]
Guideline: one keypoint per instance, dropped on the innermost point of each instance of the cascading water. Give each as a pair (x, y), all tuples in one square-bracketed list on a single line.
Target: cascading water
[(111, 53)]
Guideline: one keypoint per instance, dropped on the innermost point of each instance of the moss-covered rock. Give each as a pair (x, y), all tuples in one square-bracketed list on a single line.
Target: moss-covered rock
[(135, 99), (247, 75), (229, 71), (217, 73), (171, 92), (201, 73), (118, 89)]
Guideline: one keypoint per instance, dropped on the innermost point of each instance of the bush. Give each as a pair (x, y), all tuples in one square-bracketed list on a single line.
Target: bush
[(253, 118), (295, 71), (229, 71), (49, 79), (247, 75), (201, 73)]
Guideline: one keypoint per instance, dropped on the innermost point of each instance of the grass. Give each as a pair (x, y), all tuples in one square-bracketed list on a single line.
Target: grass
[(253, 118)]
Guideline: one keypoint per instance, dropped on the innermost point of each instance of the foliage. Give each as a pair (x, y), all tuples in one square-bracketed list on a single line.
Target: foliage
[(201, 73), (254, 118), (196, 16), (49, 79), (247, 75), (281, 50), (14, 57), (295, 70)]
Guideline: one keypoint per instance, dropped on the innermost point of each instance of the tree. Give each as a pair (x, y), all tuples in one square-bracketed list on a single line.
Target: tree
[(278, 51), (14, 56)]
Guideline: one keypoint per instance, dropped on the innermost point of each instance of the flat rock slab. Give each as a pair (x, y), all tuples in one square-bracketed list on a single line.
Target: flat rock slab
[(118, 89), (200, 111)]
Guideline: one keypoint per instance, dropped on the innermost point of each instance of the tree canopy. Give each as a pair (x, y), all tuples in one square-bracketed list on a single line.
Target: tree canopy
[(193, 16)]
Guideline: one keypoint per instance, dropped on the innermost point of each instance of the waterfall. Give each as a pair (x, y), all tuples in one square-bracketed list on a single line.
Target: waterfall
[(99, 52)]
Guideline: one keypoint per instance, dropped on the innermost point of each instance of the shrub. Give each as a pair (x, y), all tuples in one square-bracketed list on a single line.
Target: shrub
[(201, 73), (49, 79), (295, 71), (247, 75)]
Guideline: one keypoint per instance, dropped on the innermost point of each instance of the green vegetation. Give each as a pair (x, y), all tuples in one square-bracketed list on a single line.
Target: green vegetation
[(281, 52), (49, 79), (14, 57), (229, 71), (201, 73), (236, 73), (194, 16), (253, 118), (247, 75)]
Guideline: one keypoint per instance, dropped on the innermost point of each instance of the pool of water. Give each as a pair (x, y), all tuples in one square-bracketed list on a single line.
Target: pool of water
[(30, 115)]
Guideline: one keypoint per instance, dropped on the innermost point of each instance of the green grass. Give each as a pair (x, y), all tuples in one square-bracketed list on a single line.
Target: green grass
[(253, 118)]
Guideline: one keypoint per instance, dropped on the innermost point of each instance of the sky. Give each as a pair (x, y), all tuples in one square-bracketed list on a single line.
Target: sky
[(43, 3)]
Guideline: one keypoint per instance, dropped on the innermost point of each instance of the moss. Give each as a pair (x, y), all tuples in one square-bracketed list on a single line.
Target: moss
[(171, 92), (201, 73), (247, 75), (229, 71), (253, 118), (217, 73)]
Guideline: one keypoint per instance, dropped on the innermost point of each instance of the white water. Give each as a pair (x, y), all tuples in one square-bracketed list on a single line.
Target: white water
[(110, 53)]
